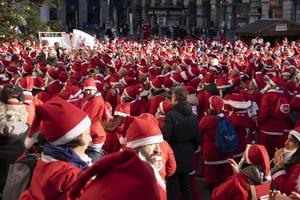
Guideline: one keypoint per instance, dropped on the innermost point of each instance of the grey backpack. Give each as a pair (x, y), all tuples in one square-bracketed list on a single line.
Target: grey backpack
[(19, 176)]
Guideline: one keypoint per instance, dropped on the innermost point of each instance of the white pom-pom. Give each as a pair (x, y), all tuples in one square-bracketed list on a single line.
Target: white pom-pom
[(123, 140)]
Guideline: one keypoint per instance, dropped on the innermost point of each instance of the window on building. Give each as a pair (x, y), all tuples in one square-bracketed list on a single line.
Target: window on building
[(157, 2), (93, 16), (53, 14)]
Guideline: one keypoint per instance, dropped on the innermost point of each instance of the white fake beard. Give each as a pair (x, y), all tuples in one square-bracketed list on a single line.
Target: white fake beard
[(156, 161), (288, 154)]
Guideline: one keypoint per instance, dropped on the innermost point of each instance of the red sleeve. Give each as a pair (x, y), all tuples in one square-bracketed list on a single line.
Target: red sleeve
[(289, 181), (200, 107), (295, 103), (170, 162), (263, 110)]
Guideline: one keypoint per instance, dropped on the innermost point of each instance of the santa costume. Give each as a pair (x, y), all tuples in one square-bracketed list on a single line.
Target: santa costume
[(59, 122)]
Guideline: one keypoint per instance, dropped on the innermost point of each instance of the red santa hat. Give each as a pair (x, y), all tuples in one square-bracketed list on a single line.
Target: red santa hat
[(165, 106), (52, 74), (296, 132), (54, 88), (27, 69), (167, 83), (62, 77), (143, 130), (222, 82), (74, 92), (137, 177), (156, 82), (89, 84), (26, 83), (39, 83), (122, 109), (286, 72), (237, 101), (58, 121), (177, 78), (208, 78), (257, 155), (132, 91), (216, 103), (194, 71)]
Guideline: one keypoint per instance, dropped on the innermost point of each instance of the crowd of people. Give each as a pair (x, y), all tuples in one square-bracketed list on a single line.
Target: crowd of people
[(129, 119)]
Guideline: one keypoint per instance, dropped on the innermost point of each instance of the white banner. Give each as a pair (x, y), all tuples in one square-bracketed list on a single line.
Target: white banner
[(81, 38), (51, 37)]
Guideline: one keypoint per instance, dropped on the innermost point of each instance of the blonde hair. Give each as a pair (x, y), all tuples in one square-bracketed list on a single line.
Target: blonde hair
[(13, 113)]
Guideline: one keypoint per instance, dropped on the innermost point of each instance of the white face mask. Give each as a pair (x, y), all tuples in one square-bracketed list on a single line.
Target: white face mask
[(288, 154)]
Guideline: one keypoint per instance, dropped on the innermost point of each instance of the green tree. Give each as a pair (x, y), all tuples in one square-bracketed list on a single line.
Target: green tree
[(19, 18)]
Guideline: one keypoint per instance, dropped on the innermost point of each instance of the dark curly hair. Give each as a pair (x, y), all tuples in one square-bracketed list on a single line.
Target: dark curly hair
[(9, 92)]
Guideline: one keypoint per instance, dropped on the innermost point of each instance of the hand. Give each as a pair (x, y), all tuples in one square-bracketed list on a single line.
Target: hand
[(295, 196), (276, 195), (234, 165), (278, 158)]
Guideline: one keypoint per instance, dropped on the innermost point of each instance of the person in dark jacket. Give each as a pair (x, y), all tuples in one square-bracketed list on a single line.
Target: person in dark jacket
[(13, 129), (181, 131)]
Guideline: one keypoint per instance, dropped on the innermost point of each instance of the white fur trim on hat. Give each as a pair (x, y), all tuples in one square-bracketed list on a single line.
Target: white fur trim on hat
[(29, 141), (296, 134), (75, 95), (161, 107), (96, 146), (277, 174), (238, 104), (247, 154), (183, 75), (89, 88), (224, 86), (255, 82), (121, 114), (74, 132), (145, 141), (123, 140)]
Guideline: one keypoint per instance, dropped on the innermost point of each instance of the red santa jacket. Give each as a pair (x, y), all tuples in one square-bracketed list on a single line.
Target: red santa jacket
[(210, 155), (267, 120), (95, 108), (237, 187), (138, 107), (203, 106), (50, 180), (287, 181)]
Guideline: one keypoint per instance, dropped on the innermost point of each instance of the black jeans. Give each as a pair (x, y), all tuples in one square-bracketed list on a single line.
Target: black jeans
[(183, 181)]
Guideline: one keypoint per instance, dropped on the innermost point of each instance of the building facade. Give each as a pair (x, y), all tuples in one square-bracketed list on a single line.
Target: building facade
[(225, 14)]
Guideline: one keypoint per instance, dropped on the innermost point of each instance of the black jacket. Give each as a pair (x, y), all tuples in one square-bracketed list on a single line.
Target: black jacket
[(11, 147), (181, 131)]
